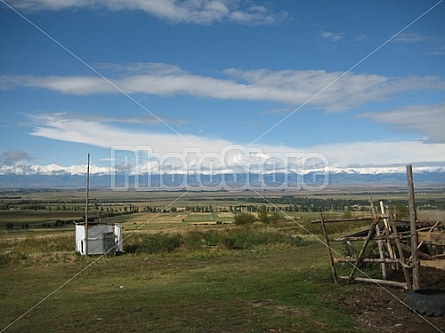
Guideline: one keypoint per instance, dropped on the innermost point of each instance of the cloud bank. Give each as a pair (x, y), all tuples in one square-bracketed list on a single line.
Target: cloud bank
[(342, 155), (427, 120), (176, 11), (332, 91)]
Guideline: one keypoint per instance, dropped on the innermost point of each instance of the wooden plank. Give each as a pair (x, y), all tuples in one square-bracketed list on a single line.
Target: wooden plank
[(328, 248), (376, 281), (361, 238), (433, 237), (348, 219), (372, 260), (438, 263)]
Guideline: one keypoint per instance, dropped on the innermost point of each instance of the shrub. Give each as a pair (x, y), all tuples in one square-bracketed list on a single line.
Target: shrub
[(275, 217), (244, 218), (156, 244), (196, 240), (262, 215)]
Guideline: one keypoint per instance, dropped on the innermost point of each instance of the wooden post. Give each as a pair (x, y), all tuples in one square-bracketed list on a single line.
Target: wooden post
[(365, 245), (379, 242), (387, 232), (381, 253), (400, 250), (412, 225), (86, 204), (328, 248), (372, 207)]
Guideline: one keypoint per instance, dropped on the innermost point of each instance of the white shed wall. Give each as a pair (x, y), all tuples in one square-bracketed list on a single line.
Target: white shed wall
[(95, 238)]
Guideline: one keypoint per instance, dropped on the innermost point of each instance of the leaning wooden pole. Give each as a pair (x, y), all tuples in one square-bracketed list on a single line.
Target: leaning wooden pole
[(381, 253), (412, 224), (400, 250), (379, 242), (365, 245), (328, 248), (387, 231)]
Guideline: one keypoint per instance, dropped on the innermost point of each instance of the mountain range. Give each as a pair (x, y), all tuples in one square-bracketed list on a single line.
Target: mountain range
[(54, 176)]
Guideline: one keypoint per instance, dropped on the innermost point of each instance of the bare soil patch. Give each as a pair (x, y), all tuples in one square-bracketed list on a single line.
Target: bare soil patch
[(156, 218), (225, 214), (382, 309)]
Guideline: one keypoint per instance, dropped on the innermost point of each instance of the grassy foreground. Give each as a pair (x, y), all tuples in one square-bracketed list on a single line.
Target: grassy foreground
[(272, 288)]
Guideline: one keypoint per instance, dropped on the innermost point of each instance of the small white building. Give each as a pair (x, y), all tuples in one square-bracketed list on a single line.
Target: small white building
[(102, 239)]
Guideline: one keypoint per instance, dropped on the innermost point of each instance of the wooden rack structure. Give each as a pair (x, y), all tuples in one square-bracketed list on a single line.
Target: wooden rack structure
[(397, 250)]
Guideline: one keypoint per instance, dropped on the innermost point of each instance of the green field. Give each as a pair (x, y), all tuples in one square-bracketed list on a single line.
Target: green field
[(277, 288), (182, 270)]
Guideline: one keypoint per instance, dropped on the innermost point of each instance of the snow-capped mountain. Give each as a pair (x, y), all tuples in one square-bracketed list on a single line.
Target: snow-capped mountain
[(57, 170), (51, 169), (56, 176)]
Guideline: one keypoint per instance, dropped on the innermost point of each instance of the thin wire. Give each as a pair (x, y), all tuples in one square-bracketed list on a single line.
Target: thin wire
[(85, 268), (132, 99), (342, 75), (350, 263), (97, 72), (171, 128)]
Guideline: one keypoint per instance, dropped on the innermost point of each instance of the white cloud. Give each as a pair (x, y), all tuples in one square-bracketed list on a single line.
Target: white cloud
[(333, 91), (381, 153), (97, 118), (12, 158), (191, 11), (439, 51), (412, 37), (428, 120), (58, 127), (433, 45), (344, 155), (332, 36)]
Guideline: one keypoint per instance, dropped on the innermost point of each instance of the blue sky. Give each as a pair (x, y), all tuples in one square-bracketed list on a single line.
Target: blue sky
[(362, 83)]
